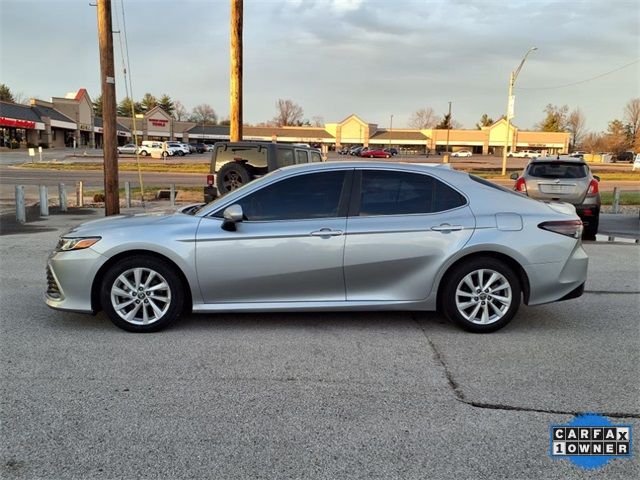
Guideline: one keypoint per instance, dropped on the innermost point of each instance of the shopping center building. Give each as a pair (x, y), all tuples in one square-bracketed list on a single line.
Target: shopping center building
[(70, 121)]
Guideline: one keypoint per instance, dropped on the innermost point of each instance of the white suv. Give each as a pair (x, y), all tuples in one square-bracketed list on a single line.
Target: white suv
[(525, 154), (182, 148)]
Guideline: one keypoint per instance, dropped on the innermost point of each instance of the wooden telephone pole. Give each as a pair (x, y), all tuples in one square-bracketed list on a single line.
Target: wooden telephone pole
[(108, 82), (236, 71)]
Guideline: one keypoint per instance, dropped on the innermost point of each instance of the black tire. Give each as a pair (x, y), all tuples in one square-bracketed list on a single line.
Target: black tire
[(180, 153), (165, 274), (453, 280), (144, 153), (231, 176), (591, 230)]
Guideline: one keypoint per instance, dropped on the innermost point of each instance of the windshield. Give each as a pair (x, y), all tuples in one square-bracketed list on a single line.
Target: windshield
[(557, 170)]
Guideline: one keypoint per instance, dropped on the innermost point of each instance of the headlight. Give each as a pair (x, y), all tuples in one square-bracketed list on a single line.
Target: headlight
[(66, 244)]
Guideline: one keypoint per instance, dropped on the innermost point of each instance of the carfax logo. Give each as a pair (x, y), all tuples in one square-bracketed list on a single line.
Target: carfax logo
[(590, 441)]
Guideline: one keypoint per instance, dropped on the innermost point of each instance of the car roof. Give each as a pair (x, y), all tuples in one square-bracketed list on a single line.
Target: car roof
[(561, 158)]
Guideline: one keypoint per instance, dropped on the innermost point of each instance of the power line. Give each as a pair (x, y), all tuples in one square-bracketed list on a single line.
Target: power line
[(582, 81)]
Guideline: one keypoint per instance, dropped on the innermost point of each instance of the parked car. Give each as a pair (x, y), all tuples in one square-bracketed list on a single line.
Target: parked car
[(623, 157), (181, 148), (198, 147), (149, 147), (234, 164), (375, 153), (578, 154), (412, 238), (209, 147), (343, 151), (564, 179), (355, 151), (524, 154), (130, 148), (393, 151), (462, 153)]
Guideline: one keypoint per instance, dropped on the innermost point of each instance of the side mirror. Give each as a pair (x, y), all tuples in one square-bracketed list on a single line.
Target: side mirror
[(596, 177), (232, 215), (514, 176)]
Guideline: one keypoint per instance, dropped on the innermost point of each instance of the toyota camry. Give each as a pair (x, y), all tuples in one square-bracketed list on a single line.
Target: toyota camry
[(328, 236)]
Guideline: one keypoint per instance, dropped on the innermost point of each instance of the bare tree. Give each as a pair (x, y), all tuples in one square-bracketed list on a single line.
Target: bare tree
[(632, 119), (179, 112), (424, 118), (317, 121), (593, 142), (576, 126), (203, 113), (288, 113)]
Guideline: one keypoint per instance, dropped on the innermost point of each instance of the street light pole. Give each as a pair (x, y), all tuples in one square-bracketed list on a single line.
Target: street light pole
[(390, 129), (448, 128), (510, 108)]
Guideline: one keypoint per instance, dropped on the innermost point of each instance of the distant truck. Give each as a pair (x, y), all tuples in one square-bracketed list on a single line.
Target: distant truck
[(234, 164)]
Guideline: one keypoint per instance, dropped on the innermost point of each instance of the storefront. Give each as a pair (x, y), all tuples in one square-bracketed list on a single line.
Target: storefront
[(20, 126)]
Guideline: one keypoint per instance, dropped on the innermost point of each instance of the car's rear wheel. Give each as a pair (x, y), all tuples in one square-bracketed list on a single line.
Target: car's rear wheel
[(481, 295), (591, 230), (144, 153), (142, 294), (232, 176)]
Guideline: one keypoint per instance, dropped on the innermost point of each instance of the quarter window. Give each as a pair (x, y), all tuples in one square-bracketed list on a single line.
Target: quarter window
[(404, 193), (315, 157), (314, 195)]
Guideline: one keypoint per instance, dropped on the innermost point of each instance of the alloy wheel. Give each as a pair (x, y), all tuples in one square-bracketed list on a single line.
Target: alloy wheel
[(140, 296), (483, 296)]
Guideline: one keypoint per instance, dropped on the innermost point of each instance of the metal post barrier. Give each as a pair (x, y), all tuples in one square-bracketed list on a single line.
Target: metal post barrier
[(21, 212), (127, 194), (616, 200), (44, 201), (80, 194), (173, 194), (62, 193)]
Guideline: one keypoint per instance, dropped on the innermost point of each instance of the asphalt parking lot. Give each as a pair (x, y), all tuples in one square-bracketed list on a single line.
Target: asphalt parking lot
[(322, 395)]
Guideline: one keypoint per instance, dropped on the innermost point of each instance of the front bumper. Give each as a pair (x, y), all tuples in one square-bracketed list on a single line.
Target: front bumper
[(70, 278)]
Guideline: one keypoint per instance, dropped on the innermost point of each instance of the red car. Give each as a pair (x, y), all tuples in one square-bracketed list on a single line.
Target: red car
[(376, 153)]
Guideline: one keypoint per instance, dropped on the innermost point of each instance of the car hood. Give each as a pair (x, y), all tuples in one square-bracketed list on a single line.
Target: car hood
[(102, 226)]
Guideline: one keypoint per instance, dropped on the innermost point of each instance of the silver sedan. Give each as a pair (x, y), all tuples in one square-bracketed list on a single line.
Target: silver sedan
[(328, 236)]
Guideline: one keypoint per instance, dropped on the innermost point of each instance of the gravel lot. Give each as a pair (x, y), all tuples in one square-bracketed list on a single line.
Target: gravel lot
[(335, 395)]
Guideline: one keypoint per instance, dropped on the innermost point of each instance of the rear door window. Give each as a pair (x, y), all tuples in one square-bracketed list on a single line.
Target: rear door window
[(404, 193), (284, 157), (315, 157), (557, 170), (302, 156)]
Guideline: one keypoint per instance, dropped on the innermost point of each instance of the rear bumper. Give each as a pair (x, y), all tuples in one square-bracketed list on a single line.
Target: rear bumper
[(551, 282)]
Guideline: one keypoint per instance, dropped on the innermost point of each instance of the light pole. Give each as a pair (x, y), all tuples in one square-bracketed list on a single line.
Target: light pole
[(448, 128), (510, 106), (390, 129)]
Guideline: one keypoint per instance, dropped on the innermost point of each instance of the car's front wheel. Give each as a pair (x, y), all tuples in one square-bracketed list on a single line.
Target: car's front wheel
[(142, 294), (481, 295)]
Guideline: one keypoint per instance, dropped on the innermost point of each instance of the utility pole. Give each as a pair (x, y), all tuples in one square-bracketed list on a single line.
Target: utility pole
[(448, 127), (108, 82), (390, 129), (235, 134)]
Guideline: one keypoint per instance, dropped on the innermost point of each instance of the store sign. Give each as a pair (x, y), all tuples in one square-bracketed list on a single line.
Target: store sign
[(84, 126), (158, 122), (12, 122)]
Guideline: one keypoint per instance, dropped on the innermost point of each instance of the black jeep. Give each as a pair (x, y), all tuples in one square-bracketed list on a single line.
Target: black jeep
[(234, 164)]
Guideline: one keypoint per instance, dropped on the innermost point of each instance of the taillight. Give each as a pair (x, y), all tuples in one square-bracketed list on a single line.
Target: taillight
[(521, 185), (570, 228), (210, 180), (593, 188)]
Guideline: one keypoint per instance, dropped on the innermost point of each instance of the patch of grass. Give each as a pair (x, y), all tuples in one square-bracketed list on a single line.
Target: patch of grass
[(125, 167), (626, 198)]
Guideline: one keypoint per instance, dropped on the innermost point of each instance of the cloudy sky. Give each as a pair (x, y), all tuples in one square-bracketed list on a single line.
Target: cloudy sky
[(337, 57)]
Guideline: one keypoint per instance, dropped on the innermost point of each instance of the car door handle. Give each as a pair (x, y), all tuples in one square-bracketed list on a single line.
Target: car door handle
[(445, 228), (326, 232)]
